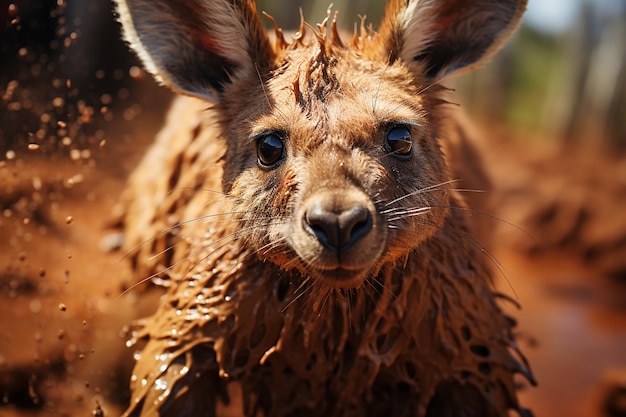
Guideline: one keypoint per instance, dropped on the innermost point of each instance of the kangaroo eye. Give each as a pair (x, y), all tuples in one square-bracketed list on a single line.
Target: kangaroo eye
[(399, 141), (270, 150)]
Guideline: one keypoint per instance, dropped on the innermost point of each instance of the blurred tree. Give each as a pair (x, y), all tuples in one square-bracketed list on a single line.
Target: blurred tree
[(598, 108), (570, 84)]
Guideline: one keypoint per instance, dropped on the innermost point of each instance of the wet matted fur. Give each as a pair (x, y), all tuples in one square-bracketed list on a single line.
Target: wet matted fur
[(317, 251)]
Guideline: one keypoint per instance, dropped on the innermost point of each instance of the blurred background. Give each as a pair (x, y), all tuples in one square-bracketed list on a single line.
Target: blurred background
[(77, 112), (562, 75)]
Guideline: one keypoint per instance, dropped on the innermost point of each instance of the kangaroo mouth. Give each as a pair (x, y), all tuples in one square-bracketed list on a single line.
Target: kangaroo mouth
[(340, 277)]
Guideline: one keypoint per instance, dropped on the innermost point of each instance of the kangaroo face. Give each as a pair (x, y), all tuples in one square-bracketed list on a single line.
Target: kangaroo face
[(339, 170), (332, 160)]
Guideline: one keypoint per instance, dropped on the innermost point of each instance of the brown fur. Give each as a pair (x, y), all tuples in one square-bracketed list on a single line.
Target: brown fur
[(399, 319)]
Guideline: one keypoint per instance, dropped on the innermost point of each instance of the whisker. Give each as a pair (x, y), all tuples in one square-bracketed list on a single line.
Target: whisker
[(296, 295), (233, 236), (464, 190), (396, 211), (175, 264), (373, 284), (195, 219), (352, 297), (418, 211), (268, 247), (424, 190), (249, 254), (156, 255), (321, 309), (409, 213), (493, 217), (421, 191), (169, 229), (266, 96), (497, 264), (434, 83)]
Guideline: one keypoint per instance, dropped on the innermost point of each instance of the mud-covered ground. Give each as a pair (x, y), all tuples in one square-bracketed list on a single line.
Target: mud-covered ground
[(561, 250), (70, 135), (63, 322)]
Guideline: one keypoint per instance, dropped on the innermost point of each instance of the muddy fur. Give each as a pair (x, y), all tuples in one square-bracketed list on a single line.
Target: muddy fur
[(275, 307)]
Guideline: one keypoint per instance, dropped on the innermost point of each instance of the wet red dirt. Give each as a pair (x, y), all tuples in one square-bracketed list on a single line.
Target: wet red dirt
[(62, 343), (562, 256)]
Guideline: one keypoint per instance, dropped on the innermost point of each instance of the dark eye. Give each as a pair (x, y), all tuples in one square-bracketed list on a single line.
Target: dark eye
[(270, 149), (399, 141)]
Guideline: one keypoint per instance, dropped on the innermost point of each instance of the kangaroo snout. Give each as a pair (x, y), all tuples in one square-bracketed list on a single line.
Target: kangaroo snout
[(337, 227), (338, 236)]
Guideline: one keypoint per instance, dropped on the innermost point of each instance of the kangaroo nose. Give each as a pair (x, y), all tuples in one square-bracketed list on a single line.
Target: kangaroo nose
[(336, 229)]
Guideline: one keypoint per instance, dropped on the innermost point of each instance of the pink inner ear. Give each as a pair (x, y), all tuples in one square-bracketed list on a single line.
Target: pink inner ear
[(204, 42), (211, 50), (451, 14)]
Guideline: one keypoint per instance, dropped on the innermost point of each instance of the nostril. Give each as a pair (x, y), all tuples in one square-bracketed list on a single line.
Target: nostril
[(323, 224), (337, 230), (353, 225)]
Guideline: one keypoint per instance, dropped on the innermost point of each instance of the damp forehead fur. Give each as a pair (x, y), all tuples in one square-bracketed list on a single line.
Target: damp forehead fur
[(318, 56), (315, 77)]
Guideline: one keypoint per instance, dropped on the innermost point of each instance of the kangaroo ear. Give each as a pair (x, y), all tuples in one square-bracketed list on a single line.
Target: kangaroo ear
[(196, 47), (444, 37)]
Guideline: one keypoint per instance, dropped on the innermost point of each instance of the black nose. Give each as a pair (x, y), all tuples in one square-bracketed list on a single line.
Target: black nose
[(337, 229)]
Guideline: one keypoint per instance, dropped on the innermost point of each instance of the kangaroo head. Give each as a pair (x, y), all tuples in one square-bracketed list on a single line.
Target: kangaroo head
[(331, 147)]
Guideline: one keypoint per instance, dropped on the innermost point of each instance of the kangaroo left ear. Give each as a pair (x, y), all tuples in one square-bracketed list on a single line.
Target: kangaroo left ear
[(196, 47), (444, 37)]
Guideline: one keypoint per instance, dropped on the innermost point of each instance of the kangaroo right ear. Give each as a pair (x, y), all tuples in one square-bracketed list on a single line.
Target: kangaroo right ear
[(196, 47), (446, 37)]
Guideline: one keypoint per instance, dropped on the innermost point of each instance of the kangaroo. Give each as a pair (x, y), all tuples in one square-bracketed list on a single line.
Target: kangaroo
[(298, 205)]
